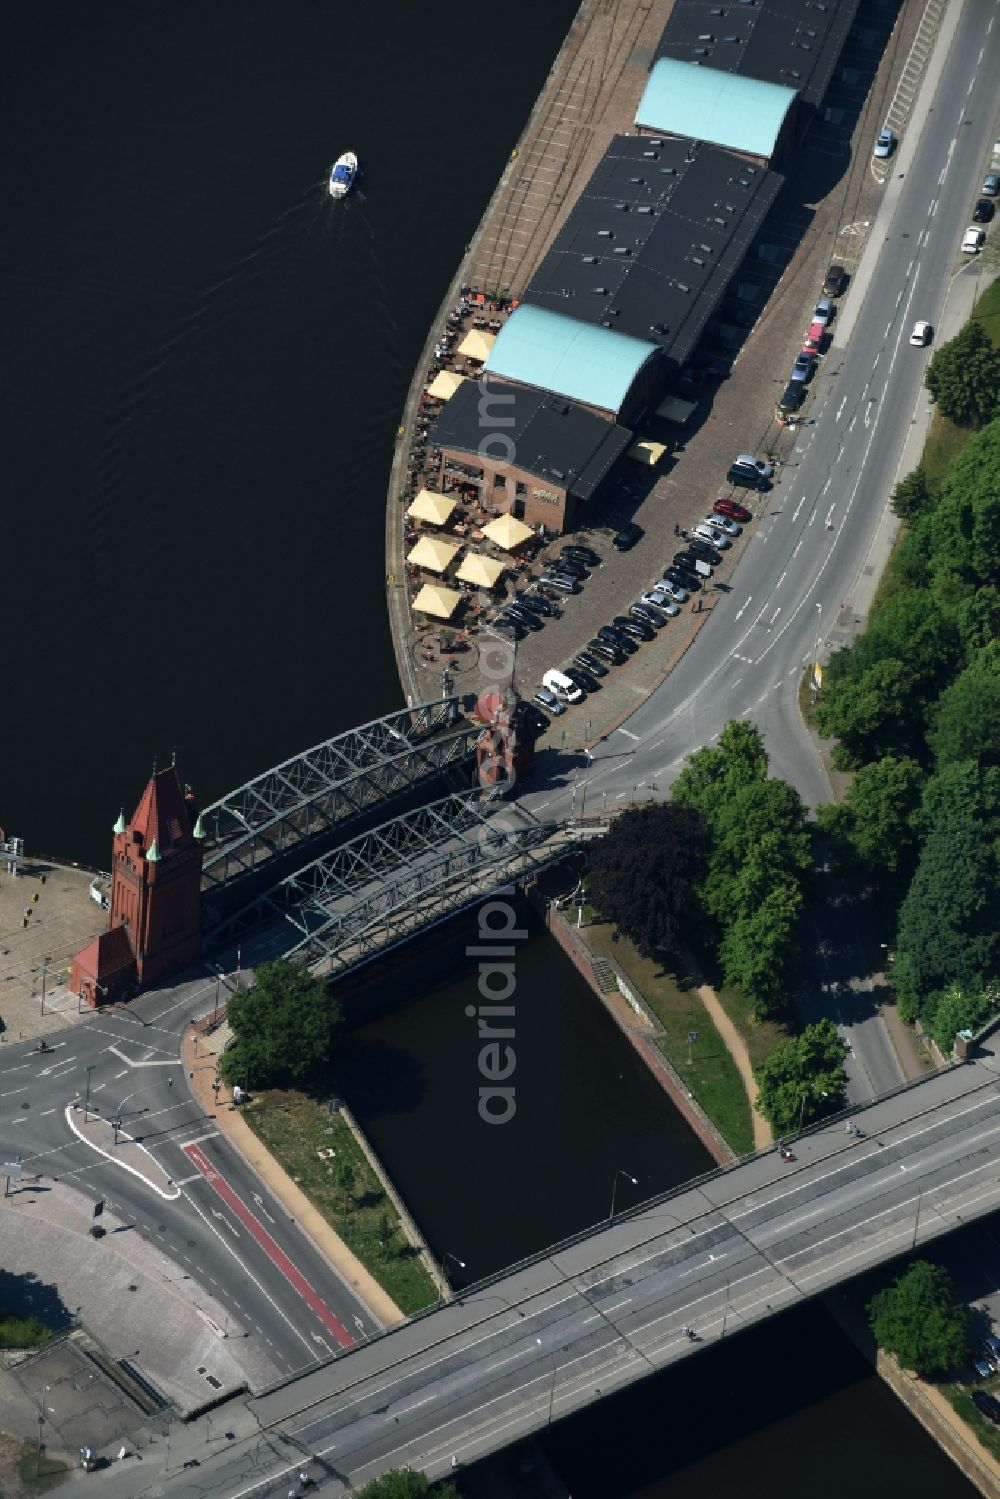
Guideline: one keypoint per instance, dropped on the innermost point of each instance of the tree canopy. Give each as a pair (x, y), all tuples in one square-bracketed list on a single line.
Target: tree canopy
[(877, 818), (401, 1483), (284, 1026), (963, 376), (918, 1319), (965, 720), (642, 874), (911, 496), (803, 1078)]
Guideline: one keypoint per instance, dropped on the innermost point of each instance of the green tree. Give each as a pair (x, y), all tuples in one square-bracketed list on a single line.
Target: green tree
[(347, 1178), (963, 376), (918, 1319), (869, 715), (641, 875), (877, 819), (966, 717), (712, 774), (965, 524), (284, 1026), (960, 1009), (400, 1483), (947, 928), (911, 496), (758, 948), (802, 1078)]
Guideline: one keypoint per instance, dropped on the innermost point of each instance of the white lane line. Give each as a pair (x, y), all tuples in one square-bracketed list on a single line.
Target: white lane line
[(185, 1181), (208, 1135), (745, 607), (784, 575), (798, 548), (795, 513), (628, 734)]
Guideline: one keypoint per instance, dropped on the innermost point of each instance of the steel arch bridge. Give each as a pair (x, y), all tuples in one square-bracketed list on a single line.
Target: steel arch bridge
[(411, 873), (314, 792)]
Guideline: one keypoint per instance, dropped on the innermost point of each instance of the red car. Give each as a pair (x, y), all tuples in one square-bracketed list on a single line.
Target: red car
[(734, 511)]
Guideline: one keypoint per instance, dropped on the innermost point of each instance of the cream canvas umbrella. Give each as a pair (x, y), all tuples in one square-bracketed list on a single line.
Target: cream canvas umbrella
[(435, 555), (482, 571), (433, 599), (507, 531), (648, 453), (477, 345), (444, 385), (431, 506)]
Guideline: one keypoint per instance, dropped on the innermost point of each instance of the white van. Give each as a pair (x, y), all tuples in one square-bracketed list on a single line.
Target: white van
[(564, 688)]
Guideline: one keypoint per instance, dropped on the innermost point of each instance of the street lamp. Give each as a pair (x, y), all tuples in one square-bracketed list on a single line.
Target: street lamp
[(614, 1188), (41, 1423), (446, 1254), (86, 1101), (118, 1111)]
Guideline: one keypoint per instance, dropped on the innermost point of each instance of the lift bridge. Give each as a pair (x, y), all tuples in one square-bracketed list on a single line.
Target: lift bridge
[(411, 873), (283, 817)]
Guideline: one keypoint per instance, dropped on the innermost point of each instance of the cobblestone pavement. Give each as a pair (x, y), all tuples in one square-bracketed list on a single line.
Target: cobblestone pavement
[(822, 214), (41, 927)]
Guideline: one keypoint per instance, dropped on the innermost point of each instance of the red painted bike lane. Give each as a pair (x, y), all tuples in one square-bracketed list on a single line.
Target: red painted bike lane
[(273, 1251)]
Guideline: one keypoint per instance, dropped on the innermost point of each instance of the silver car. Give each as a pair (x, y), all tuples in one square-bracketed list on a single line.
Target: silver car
[(713, 536), (658, 598), (885, 144), (723, 523), (677, 593), (757, 465)]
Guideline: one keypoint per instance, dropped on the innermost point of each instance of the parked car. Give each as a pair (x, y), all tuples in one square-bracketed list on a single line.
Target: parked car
[(688, 560), (704, 551), (625, 539), (791, 398), (745, 478), (536, 603), (814, 338), (585, 680), (983, 1368), (577, 553), (675, 590), (684, 577), (659, 599), (987, 1405), (548, 700), (972, 240), (562, 686), (525, 617), (601, 647), (639, 629), (885, 144), (983, 211), (991, 185), (823, 312), (508, 627), (723, 523), (567, 565), (805, 366), (921, 335), (617, 637), (836, 280), (590, 663), (759, 465), (649, 613), (562, 581), (734, 511), (712, 534)]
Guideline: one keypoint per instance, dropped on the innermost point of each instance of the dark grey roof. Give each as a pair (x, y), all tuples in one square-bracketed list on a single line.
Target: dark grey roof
[(543, 434), (793, 42), (654, 238)]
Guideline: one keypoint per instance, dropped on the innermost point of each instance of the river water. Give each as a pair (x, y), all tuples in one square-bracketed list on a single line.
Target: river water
[(205, 365)]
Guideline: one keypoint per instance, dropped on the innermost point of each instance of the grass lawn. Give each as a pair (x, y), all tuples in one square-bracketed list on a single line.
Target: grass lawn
[(761, 1036), (713, 1077), (38, 1477), (22, 1332), (986, 1433), (295, 1129)]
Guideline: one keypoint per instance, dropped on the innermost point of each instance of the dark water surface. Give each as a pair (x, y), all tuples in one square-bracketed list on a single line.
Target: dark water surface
[(586, 1105), (205, 362)]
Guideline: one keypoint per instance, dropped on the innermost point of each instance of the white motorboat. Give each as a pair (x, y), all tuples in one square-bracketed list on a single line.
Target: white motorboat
[(345, 169)]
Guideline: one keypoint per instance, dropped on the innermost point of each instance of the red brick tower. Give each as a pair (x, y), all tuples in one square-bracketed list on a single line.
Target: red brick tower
[(154, 924), (505, 751)]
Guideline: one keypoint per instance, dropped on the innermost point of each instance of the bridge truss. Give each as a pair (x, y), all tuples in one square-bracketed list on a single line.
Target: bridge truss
[(409, 874), (314, 792)]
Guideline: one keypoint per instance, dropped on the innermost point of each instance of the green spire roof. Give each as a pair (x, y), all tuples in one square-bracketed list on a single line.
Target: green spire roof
[(119, 826), (154, 852), (199, 831)]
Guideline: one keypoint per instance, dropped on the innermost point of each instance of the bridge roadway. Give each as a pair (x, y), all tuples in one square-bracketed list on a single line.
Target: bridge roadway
[(592, 1315)]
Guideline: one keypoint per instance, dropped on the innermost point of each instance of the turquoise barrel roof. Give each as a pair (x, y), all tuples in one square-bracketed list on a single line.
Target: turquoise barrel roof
[(550, 352), (705, 104)]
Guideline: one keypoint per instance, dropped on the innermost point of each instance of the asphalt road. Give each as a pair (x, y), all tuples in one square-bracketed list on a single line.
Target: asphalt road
[(811, 555), (593, 1316), (217, 1221)]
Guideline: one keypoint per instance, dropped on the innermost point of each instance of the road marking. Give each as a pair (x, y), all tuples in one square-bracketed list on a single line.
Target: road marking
[(840, 412), (829, 518), (784, 575), (798, 547), (773, 617), (274, 1252), (628, 734), (186, 1181), (13, 1091), (795, 513), (46, 1111), (745, 607), (208, 1135)]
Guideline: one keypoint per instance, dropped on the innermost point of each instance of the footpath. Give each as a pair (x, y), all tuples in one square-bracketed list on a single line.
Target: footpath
[(300, 1210)]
